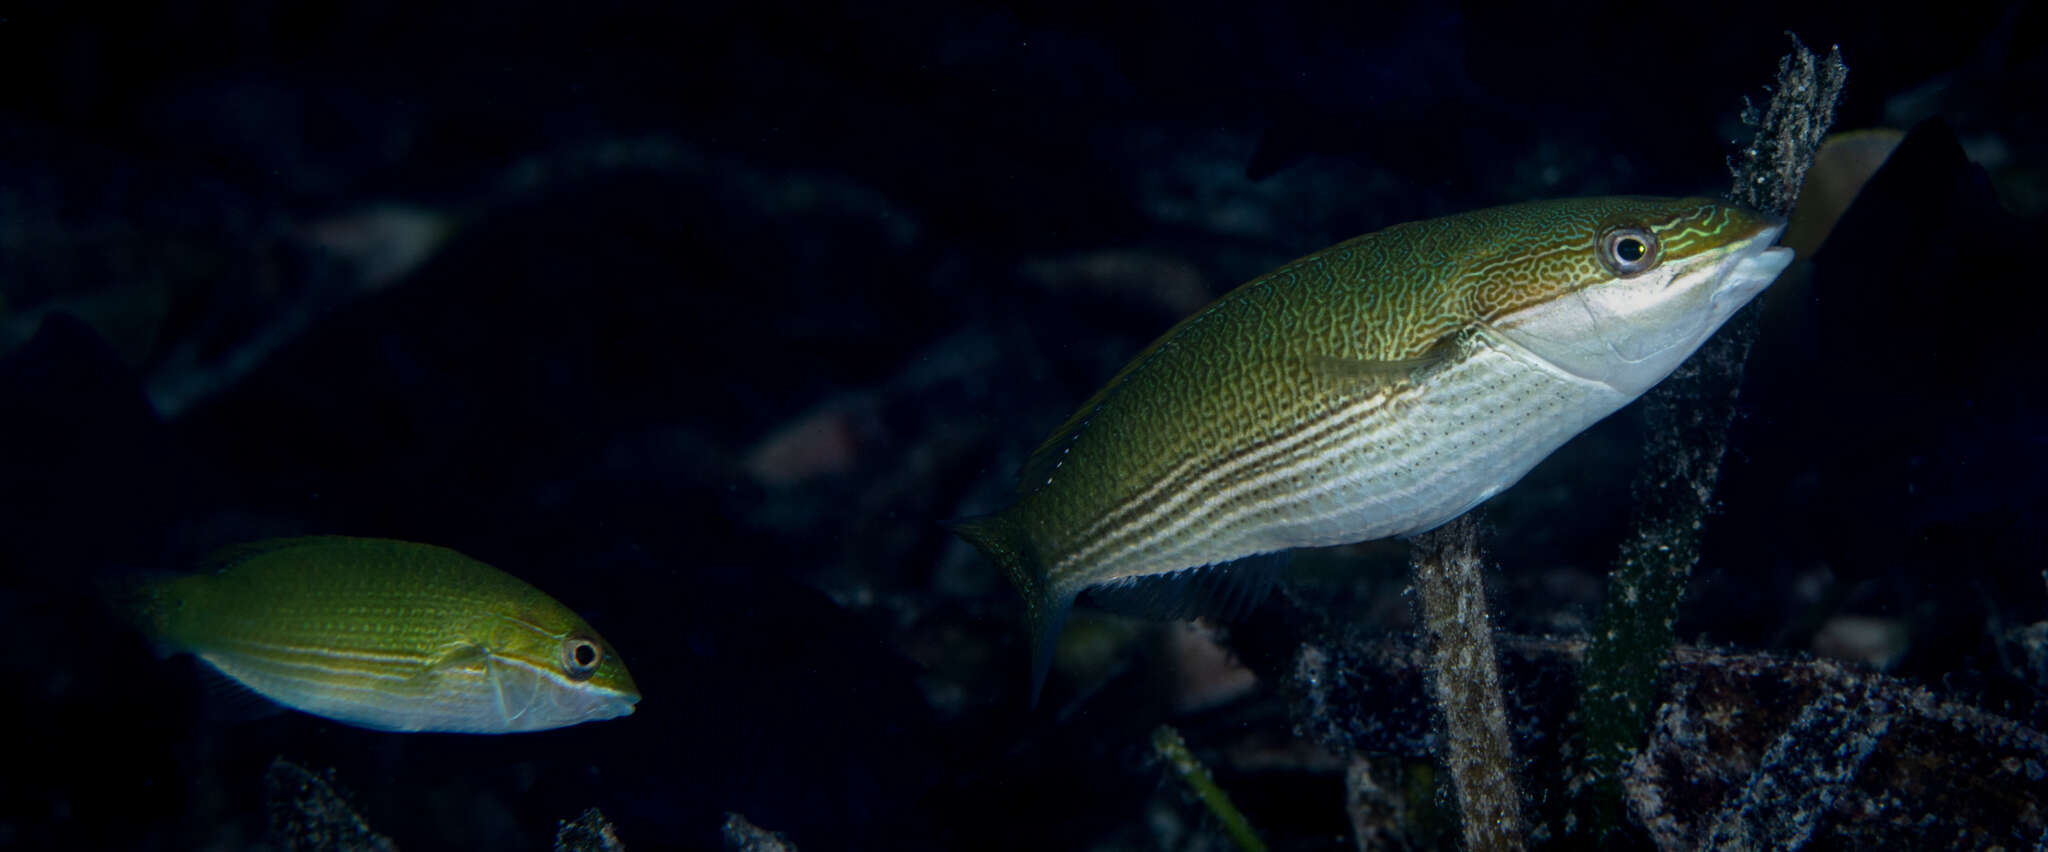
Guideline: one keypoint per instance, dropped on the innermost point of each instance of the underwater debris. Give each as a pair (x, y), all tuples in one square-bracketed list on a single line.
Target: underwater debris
[(307, 813), (1464, 685), (2025, 651), (1688, 416), (588, 832), (1173, 751), (1874, 641), (1205, 673), (1379, 815), (382, 243), (1771, 171), (1757, 752), (1672, 496), (827, 441), (1752, 749), (195, 282), (1353, 693), (744, 836)]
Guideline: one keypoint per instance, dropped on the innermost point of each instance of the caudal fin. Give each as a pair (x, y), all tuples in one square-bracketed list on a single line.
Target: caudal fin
[(1045, 606), (140, 601)]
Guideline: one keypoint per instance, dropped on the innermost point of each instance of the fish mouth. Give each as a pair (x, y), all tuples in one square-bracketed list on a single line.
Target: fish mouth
[(1751, 268), (613, 705), (1631, 336)]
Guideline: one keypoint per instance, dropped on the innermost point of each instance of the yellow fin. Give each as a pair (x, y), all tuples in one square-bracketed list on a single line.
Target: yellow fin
[(228, 556), (460, 655)]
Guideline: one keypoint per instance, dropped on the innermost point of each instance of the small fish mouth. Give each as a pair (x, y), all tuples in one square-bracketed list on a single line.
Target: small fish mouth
[(1754, 266), (1694, 304), (615, 705), (1763, 242)]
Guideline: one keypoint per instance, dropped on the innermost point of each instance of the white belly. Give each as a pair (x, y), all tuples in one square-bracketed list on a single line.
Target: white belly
[(1408, 462)]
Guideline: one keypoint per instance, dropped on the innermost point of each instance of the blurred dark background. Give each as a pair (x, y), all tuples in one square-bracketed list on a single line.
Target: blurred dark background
[(701, 316)]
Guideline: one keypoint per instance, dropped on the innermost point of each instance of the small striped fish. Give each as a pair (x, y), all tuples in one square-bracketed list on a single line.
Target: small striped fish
[(390, 635), (1377, 388)]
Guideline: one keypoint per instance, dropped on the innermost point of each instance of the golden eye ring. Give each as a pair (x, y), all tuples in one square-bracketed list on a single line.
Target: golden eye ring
[(580, 657), (1628, 251)]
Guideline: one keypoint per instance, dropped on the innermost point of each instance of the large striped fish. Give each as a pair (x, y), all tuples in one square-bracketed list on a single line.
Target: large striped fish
[(1379, 387), (390, 635)]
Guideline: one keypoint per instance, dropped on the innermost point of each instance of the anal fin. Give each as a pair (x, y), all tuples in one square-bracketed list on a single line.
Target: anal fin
[(1225, 591), (224, 697)]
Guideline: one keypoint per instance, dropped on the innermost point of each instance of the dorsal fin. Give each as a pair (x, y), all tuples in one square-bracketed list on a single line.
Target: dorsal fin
[(1225, 591), (234, 554), (1039, 466)]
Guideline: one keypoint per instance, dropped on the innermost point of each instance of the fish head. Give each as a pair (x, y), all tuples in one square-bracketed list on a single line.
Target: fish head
[(551, 671), (1632, 286)]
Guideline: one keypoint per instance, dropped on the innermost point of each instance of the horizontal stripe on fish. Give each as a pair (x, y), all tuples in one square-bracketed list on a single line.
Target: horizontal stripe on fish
[(390, 635), (1377, 388), (1267, 463)]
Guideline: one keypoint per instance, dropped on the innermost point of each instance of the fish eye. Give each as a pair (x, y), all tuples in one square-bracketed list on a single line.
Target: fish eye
[(580, 657), (1628, 250)]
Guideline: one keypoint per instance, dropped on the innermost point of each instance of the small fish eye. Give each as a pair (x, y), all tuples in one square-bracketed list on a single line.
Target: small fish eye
[(580, 657), (1628, 251)]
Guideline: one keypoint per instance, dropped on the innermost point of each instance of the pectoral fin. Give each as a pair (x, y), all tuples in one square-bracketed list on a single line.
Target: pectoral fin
[(1364, 374), (517, 688), (512, 688), (459, 656)]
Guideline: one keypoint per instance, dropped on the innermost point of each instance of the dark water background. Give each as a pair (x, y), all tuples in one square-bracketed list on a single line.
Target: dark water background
[(700, 316)]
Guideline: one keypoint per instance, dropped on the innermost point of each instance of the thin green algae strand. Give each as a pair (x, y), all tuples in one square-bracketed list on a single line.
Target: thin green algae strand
[(1171, 748), (1688, 415)]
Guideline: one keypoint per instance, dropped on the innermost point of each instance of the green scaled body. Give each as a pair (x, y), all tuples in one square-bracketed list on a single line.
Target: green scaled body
[(390, 635), (1377, 388)]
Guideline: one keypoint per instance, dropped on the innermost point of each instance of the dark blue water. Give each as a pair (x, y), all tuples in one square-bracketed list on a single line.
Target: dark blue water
[(702, 316)]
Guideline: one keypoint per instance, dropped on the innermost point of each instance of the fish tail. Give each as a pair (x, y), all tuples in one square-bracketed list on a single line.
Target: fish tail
[(1045, 603), (140, 600)]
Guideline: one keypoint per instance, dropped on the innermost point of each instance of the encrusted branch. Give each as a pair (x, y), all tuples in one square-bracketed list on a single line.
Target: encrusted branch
[(1464, 686), (1688, 415)]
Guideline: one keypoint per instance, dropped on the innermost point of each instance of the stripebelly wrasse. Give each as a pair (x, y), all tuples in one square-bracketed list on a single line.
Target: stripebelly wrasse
[(1376, 388), (389, 635)]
